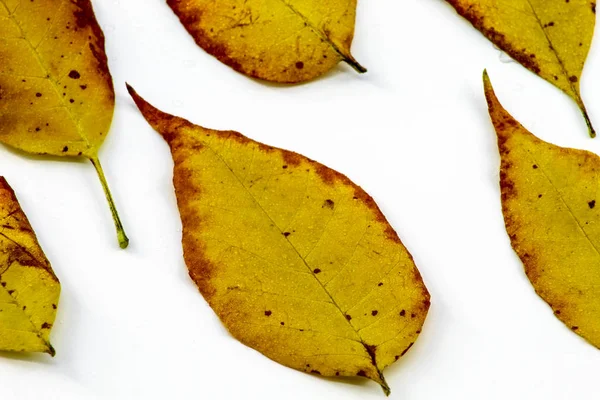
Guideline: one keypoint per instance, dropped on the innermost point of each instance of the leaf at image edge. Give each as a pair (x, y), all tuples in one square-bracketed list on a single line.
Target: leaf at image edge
[(549, 196), (29, 289)]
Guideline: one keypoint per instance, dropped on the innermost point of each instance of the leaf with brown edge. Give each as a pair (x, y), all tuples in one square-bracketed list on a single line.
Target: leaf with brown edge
[(287, 41), (549, 196), (56, 92), (296, 260), (29, 290), (551, 38)]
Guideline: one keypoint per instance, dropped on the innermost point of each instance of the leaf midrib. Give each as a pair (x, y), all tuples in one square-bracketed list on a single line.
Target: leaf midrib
[(343, 316), (560, 196), (313, 28), (554, 51)]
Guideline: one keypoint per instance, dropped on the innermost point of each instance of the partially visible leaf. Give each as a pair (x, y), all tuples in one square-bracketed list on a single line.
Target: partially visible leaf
[(56, 92), (296, 260), (29, 290), (286, 41), (551, 38), (549, 196)]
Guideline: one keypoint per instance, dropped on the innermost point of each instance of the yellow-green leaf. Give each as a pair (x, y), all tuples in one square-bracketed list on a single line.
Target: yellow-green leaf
[(56, 92), (551, 38), (549, 196), (29, 290), (296, 260), (276, 40)]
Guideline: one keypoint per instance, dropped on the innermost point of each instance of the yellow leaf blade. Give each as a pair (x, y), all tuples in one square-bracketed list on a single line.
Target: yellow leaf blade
[(56, 92), (29, 290), (549, 196), (286, 41), (296, 260), (550, 38)]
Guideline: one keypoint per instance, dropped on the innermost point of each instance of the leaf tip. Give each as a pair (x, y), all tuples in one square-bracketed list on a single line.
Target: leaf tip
[(490, 95), (500, 117), (165, 124)]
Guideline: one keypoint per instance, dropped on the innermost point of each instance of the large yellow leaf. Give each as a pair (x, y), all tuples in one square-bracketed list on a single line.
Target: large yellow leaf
[(56, 92), (549, 37), (29, 290), (297, 261), (277, 40), (549, 196)]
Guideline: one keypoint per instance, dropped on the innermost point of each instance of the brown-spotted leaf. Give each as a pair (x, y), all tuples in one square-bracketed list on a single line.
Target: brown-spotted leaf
[(56, 92), (296, 260), (29, 290), (285, 41), (551, 38), (549, 196)]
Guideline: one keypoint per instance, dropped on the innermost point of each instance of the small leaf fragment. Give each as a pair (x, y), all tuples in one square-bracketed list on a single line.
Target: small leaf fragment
[(56, 92), (286, 41), (549, 196), (296, 260), (29, 290), (551, 38)]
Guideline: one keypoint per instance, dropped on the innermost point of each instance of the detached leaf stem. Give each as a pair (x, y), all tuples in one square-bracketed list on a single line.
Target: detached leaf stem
[(123, 239)]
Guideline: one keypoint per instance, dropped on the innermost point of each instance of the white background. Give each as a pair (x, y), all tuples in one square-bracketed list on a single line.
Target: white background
[(413, 132)]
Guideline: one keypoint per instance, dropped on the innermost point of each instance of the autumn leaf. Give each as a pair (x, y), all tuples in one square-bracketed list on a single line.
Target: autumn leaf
[(56, 92), (297, 261), (286, 41), (551, 38), (29, 290), (549, 196)]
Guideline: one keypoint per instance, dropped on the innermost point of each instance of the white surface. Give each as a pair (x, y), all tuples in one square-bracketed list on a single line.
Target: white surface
[(414, 132)]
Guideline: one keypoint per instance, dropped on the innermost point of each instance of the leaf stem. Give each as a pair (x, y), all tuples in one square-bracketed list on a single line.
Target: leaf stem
[(123, 239), (354, 64), (588, 122), (384, 385)]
